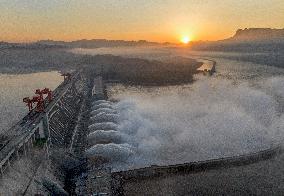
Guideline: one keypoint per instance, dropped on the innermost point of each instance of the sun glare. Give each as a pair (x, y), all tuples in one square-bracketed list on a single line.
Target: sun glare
[(185, 39)]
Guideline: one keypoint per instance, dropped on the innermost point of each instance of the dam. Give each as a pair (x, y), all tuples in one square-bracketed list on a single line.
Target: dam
[(75, 128)]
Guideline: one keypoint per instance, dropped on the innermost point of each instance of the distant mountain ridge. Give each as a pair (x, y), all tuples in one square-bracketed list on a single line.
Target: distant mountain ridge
[(253, 34), (97, 43), (258, 45), (84, 43), (246, 40)]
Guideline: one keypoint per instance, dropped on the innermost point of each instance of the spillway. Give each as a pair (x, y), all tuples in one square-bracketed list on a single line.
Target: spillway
[(103, 117), (103, 110), (104, 136), (103, 126)]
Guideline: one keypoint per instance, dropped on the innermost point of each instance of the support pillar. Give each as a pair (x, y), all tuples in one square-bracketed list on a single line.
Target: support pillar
[(17, 154), (27, 146), (47, 150), (24, 148), (31, 141), (46, 126), (9, 164)]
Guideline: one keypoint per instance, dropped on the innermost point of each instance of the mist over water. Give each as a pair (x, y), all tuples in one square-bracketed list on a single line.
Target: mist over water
[(211, 118), (237, 111)]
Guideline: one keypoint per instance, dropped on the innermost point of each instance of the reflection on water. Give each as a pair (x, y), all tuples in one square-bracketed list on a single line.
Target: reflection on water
[(13, 88)]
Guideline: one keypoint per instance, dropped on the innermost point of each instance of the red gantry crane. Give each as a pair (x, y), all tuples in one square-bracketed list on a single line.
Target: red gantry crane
[(29, 103), (45, 91), (38, 100), (35, 100)]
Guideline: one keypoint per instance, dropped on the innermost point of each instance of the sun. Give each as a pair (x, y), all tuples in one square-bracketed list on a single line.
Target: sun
[(185, 40)]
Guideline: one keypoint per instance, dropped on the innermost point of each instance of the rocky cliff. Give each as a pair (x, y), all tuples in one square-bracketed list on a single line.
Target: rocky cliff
[(258, 34)]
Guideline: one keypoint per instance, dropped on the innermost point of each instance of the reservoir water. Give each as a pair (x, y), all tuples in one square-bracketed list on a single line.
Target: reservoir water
[(13, 88)]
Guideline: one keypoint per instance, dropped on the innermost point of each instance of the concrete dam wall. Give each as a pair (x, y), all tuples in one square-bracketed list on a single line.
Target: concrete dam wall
[(121, 179)]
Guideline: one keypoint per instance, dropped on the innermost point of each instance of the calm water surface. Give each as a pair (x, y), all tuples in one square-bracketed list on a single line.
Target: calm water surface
[(13, 88)]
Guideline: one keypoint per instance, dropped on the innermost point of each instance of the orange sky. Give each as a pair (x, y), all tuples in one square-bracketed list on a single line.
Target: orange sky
[(154, 20)]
